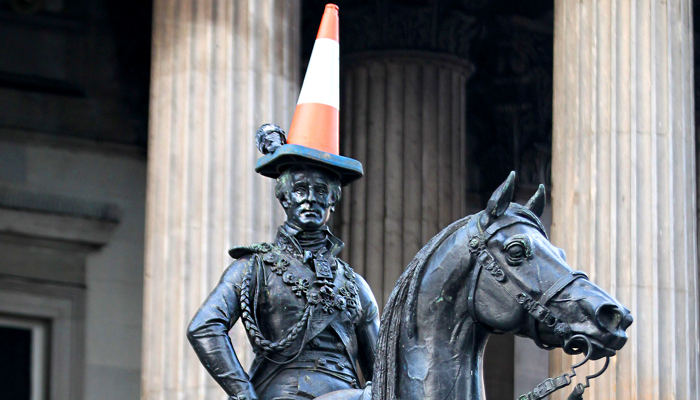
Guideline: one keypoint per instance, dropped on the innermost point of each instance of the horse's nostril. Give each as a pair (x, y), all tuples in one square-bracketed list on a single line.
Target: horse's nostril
[(610, 317)]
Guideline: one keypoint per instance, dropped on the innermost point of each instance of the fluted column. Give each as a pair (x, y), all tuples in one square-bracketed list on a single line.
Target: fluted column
[(623, 177), (402, 116), (219, 70)]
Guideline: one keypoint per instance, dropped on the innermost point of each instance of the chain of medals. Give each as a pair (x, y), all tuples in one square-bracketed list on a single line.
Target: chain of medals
[(322, 293)]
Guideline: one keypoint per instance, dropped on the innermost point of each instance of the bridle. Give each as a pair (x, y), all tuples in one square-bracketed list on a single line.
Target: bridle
[(536, 308)]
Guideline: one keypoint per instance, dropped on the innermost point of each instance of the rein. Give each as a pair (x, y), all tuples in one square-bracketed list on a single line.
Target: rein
[(537, 309), (551, 385)]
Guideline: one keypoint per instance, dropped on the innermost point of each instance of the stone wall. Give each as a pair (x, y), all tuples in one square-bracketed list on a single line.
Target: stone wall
[(73, 182), (101, 260)]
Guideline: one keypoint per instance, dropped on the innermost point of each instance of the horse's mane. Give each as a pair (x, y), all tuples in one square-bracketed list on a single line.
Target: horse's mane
[(401, 304)]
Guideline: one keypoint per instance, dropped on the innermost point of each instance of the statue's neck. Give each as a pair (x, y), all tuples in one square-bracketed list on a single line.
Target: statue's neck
[(312, 240)]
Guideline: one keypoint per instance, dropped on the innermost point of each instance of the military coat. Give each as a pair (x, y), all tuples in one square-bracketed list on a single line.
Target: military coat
[(301, 309)]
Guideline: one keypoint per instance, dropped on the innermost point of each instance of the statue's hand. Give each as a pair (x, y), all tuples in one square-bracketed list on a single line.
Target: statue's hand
[(246, 392)]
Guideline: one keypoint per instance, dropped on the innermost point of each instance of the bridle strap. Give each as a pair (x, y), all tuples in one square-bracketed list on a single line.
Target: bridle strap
[(536, 308), (559, 285), (554, 290), (505, 223)]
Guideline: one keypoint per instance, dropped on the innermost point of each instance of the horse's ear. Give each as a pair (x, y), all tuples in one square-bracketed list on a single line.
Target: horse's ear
[(537, 202), (499, 201)]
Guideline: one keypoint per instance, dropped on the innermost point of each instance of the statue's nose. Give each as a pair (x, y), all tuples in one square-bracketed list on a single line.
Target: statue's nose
[(311, 197), (613, 318)]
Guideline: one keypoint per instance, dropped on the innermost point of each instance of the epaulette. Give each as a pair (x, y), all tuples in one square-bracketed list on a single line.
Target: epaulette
[(348, 271), (240, 251)]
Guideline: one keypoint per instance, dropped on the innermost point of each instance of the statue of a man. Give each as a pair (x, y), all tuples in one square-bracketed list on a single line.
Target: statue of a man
[(309, 317)]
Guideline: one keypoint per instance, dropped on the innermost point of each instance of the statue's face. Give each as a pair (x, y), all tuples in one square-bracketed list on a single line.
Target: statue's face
[(309, 202)]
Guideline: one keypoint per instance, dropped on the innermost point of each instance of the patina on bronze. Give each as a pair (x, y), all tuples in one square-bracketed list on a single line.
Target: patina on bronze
[(490, 273), (310, 318)]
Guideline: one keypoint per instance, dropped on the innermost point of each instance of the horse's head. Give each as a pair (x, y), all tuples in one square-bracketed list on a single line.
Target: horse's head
[(525, 286)]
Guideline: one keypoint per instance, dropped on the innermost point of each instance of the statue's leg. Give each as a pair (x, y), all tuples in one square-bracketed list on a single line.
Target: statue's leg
[(350, 394), (313, 384), (284, 386), (301, 384)]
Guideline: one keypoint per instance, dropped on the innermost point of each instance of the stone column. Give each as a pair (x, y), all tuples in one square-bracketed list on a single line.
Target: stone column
[(402, 116), (220, 69), (623, 177)]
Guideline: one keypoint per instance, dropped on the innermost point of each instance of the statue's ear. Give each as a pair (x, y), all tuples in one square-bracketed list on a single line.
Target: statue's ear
[(499, 201), (537, 202)]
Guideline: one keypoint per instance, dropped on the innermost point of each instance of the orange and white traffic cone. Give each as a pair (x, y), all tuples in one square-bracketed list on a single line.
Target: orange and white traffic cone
[(314, 135), (316, 119)]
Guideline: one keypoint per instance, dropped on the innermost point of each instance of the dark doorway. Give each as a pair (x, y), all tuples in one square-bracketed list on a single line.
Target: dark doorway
[(15, 362), (24, 344)]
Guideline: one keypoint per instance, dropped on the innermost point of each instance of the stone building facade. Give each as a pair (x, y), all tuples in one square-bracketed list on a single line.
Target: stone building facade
[(126, 168)]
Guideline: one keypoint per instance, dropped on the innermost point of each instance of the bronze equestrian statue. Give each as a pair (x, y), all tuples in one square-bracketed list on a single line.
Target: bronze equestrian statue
[(312, 321)]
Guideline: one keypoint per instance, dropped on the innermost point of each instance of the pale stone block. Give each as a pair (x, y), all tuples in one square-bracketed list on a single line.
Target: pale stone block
[(106, 344), (114, 383), (114, 303), (120, 261)]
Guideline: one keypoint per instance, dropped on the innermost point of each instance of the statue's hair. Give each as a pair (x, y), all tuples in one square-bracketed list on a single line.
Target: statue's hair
[(284, 183), (400, 309)]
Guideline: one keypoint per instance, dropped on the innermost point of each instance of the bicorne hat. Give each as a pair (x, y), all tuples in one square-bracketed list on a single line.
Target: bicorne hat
[(314, 134)]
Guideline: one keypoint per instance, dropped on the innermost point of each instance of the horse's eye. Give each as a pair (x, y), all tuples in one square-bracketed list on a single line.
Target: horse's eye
[(516, 254), (517, 249)]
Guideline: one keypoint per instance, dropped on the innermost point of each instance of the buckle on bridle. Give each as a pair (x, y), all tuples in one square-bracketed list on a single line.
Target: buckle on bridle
[(539, 313)]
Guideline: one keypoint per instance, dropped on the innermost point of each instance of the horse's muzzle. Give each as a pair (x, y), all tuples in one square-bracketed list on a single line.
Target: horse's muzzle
[(615, 320), (593, 349), (612, 321)]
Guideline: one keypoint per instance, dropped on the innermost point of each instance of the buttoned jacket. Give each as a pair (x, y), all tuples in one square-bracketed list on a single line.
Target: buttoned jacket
[(278, 283)]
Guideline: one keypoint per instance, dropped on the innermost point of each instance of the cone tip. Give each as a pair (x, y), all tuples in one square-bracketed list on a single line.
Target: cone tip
[(329, 24)]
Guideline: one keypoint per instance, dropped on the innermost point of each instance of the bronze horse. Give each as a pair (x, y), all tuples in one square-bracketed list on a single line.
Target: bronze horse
[(492, 272)]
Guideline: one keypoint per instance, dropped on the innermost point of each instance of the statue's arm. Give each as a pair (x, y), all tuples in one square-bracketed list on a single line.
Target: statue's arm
[(367, 329), (208, 333)]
